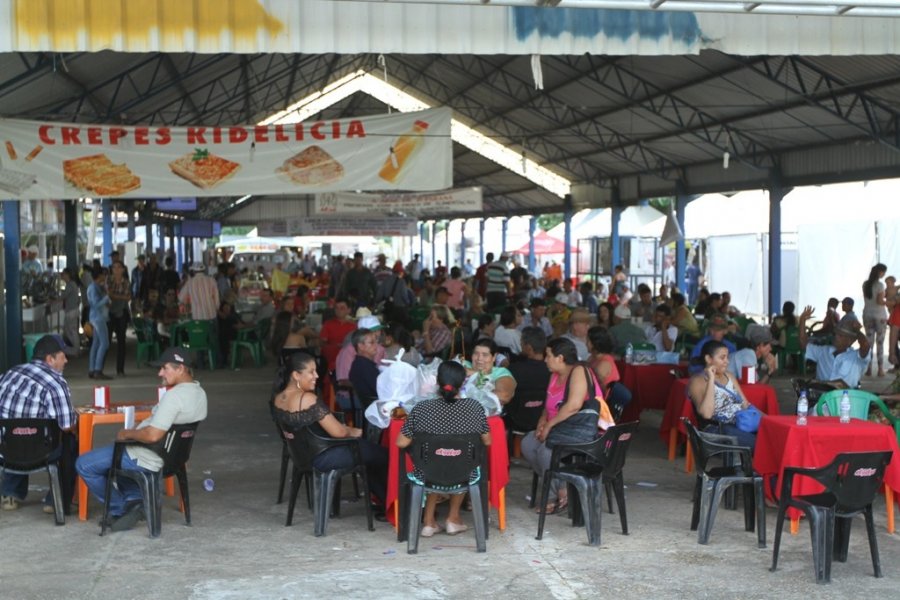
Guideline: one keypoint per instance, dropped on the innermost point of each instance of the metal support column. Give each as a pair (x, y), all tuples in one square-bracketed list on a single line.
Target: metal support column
[(532, 227), (567, 238), (421, 243), (71, 229), (776, 194), (148, 233), (447, 244), (130, 211), (681, 202), (503, 223), (481, 241), (433, 245), (462, 244), (615, 217), (12, 333), (106, 205), (178, 248)]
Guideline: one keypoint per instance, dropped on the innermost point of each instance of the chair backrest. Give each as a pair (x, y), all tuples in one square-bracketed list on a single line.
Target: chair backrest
[(792, 340), (854, 478), (27, 444), (526, 407), (612, 447), (706, 445), (298, 446), (860, 401), (446, 460), (144, 330), (176, 446), (198, 334)]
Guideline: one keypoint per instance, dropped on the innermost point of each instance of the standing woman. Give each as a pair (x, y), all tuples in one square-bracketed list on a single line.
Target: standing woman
[(98, 301), (120, 297), (580, 405), (875, 314), (892, 303)]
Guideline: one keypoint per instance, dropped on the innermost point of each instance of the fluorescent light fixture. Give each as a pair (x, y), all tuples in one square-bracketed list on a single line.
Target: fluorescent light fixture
[(360, 81)]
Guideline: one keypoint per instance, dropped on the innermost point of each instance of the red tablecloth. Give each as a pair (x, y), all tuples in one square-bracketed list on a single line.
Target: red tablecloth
[(498, 463), (760, 395), (649, 385), (782, 443)]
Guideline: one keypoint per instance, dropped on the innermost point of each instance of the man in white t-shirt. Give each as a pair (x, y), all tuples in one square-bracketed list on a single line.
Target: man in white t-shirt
[(662, 333), (184, 402)]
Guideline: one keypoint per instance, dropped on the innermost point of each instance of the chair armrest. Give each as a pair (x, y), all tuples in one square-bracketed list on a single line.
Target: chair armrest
[(582, 449)]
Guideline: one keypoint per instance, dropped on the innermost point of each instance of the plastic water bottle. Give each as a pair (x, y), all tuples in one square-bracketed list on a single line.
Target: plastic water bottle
[(802, 408), (845, 407), (629, 354), (208, 483)]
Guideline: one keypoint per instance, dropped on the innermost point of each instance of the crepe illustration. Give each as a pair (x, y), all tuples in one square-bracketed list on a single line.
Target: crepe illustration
[(203, 169), (96, 173), (312, 166)]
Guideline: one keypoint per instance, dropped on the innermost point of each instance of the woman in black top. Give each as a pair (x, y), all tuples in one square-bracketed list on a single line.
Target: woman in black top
[(447, 414), (296, 405)]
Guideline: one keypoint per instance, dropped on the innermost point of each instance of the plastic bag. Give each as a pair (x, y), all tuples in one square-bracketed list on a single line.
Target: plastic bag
[(396, 386), (426, 378), (479, 387)]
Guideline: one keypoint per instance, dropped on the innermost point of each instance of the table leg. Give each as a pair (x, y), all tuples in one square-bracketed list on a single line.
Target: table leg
[(673, 442), (501, 510), (889, 501), (688, 459), (85, 443)]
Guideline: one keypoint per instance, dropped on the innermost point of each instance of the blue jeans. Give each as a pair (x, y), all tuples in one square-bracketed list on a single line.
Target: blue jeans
[(93, 468), (99, 346)]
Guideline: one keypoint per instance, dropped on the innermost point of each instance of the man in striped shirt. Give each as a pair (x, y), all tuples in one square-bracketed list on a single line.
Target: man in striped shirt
[(202, 293), (37, 390)]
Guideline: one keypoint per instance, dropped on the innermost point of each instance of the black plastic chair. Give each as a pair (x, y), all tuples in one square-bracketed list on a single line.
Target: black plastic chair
[(594, 467), (446, 462), (713, 482), (304, 445), (175, 450), (32, 445), (296, 473), (851, 482)]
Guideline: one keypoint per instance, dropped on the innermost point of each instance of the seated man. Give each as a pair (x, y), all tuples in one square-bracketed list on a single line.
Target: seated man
[(717, 327), (37, 390), (849, 320), (532, 378), (579, 322), (758, 355), (662, 333), (625, 332), (838, 366), (364, 371), (642, 306), (184, 402)]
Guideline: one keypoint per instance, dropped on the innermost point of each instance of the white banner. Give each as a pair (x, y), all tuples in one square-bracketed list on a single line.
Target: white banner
[(466, 200), (401, 151), (336, 225)]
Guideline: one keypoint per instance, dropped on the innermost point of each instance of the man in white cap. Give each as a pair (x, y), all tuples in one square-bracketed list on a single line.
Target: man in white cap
[(625, 332), (32, 264), (184, 402), (202, 293)]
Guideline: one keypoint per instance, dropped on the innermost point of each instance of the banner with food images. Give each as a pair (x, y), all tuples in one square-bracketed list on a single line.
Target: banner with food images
[(463, 200), (399, 151)]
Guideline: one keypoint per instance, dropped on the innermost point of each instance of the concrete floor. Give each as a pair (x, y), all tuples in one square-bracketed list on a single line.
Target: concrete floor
[(238, 546)]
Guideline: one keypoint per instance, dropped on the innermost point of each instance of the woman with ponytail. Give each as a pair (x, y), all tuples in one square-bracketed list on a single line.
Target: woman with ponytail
[(447, 414), (295, 405)]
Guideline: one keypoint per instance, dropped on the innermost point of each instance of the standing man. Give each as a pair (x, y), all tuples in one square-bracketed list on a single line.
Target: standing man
[(334, 331), (37, 390), (498, 284), (414, 268), (32, 264), (137, 278), (358, 283), (71, 300), (202, 293), (184, 402), (692, 281)]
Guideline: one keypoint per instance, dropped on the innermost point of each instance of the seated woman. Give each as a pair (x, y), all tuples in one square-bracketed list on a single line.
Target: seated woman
[(566, 373), (717, 395), (289, 333), (483, 374), (786, 319), (682, 317), (296, 405), (601, 344), (506, 335), (605, 315), (447, 414), (397, 338)]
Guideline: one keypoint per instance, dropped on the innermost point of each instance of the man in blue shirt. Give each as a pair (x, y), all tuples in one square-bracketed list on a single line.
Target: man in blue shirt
[(37, 390), (838, 366), (717, 327)]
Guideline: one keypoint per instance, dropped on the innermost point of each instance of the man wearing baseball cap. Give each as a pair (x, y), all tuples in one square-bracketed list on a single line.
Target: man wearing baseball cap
[(838, 366), (758, 355), (717, 328), (37, 390), (184, 402)]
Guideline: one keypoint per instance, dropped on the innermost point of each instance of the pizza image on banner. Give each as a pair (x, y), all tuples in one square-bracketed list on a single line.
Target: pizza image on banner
[(96, 173), (203, 169), (312, 166)]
